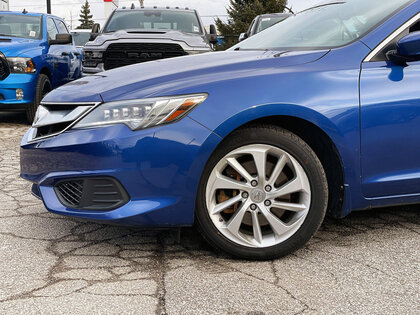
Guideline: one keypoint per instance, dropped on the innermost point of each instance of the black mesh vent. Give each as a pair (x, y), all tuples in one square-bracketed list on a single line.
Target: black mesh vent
[(98, 193), (71, 192), (124, 54)]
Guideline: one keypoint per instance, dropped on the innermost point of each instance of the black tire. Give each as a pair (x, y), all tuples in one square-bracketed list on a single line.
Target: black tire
[(43, 86), (289, 142)]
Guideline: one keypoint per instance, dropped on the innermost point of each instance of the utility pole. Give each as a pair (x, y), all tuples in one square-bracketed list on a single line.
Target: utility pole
[(49, 6), (71, 20)]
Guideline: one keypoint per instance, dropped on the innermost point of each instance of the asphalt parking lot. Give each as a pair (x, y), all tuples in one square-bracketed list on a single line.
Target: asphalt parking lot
[(367, 263)]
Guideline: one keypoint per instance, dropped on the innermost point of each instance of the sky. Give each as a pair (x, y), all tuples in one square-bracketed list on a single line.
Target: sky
[(69, 9)]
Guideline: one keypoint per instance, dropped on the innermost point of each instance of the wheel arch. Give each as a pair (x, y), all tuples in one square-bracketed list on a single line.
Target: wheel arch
[(312, 127), (47, 72)]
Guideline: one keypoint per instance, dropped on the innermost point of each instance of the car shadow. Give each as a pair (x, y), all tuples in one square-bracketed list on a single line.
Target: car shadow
[(13, 118), (370, 229)]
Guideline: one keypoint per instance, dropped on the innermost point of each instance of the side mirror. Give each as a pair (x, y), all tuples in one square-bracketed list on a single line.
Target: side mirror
[(243, 36), (95, 31), (61, 39), (408, 49), (213, 35)]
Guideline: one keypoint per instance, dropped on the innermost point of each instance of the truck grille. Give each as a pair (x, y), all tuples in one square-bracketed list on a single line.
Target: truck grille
[(4, 67), (91, 193), (124, 54)]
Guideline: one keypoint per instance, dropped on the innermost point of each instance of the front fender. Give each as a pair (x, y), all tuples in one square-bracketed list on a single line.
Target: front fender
[(344, 137)]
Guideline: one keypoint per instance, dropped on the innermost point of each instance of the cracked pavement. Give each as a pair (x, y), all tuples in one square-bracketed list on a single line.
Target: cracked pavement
[(367, 263)]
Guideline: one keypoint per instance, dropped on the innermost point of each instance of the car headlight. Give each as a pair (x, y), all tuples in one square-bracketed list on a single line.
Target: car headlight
[(21, 65), (144, 113), (92, 58), (87, 54)]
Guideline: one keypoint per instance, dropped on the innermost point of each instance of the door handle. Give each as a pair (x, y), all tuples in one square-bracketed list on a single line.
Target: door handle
[(77, 54), (64, 53)]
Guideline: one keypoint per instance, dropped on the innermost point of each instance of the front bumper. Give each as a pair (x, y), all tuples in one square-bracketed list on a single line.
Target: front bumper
[(159, 168), (26, 82)]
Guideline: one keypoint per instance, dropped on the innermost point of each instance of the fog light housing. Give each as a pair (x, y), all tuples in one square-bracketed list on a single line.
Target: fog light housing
[(19, 94)]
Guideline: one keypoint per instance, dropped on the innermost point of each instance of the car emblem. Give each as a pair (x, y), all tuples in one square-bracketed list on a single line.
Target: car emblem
[(257, 195)]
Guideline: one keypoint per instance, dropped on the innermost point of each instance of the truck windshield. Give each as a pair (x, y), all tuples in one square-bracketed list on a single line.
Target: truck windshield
[(154, 19), (267, 22), (24, 26), (327, 26), (80, 38)]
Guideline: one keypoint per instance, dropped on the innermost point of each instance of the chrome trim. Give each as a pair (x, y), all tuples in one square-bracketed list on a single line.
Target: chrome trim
[(92, 104), (391, 37)]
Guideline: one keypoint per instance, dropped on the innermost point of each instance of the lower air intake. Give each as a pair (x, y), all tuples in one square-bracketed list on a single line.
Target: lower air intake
[(91, 193)]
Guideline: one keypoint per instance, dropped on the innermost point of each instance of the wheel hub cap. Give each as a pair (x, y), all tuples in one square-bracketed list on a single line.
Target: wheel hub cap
[(257, 195)]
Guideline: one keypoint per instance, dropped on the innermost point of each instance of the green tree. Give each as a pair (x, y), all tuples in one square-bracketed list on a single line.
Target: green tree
[(86, 21), (241, 13)]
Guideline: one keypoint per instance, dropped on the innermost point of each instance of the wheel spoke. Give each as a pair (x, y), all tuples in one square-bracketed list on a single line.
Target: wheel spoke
[(226, 204), (235, 221), (295, 207), (240, 169), (277, 170), (224, 182), (290, 187), (260, 159), (256, 227), (276, 224)]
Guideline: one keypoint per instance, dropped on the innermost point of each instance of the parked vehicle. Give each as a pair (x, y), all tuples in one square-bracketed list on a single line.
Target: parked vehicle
[(81, 37), (137, 35), (255, 144), (262, 22), (36, 55)]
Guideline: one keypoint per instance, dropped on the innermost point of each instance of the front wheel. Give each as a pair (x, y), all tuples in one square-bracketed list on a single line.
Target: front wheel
[(262, 195), (43, 87)]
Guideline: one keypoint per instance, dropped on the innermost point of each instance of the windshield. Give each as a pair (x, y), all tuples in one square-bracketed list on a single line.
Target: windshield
[(327, 26), (20, 26), (159, 20), (266, 22), (81, 38)]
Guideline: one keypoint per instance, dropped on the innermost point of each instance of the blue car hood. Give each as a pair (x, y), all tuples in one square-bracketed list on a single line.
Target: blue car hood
[(14, 47), (169, 76)]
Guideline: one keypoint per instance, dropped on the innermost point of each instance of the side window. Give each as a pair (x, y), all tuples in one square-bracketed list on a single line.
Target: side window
[(381, 56), (62, 27), (51, 29), (250, 27)]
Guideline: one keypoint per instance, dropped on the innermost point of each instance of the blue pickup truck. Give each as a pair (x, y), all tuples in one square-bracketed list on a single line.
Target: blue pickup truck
[(37, 54)]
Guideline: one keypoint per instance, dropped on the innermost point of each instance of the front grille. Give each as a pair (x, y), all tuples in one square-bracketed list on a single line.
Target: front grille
[(124, 54), (53, 119), (4, 68), (91, 193)]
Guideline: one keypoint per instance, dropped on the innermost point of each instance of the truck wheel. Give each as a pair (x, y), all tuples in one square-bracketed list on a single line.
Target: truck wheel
[(43, 86), (262, 195)]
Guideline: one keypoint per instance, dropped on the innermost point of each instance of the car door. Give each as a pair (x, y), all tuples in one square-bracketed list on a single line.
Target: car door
[(71, 53), (58, 55), (390, 124)]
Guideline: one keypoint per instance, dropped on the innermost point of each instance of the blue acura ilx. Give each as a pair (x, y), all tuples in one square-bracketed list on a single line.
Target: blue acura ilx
[(318, 114)]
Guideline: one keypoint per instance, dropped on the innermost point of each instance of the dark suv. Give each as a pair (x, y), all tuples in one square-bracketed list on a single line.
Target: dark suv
[(137, 35)]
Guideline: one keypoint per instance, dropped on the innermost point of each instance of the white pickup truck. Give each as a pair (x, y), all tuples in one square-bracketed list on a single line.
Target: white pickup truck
[(135, 35)]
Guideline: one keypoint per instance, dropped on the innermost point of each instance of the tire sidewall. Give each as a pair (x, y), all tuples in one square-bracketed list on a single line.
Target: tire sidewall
[(43, 80), (293, 145)]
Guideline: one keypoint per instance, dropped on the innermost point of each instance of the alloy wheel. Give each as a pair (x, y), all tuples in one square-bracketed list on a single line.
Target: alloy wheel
[(258, 195)]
